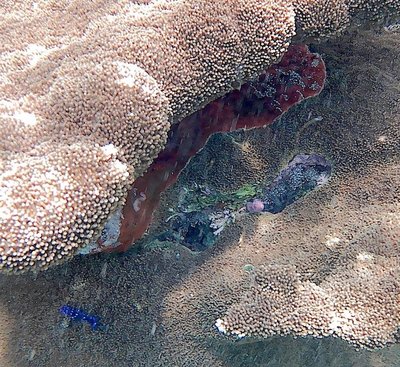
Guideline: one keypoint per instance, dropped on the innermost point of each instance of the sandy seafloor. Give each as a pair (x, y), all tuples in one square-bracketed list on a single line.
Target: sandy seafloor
[(133, 293)]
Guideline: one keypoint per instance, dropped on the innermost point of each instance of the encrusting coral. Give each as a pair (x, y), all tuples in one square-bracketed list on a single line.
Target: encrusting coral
[(358, 302), (84, 109), (328, 265)]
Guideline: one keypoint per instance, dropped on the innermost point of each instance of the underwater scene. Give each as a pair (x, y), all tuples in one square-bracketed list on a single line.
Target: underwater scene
[(200, 183)]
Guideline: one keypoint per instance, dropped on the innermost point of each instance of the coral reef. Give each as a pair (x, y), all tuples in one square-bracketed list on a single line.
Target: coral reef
[(84, 113), (299, 75), (161, 304), (327, 265), (86, 108)]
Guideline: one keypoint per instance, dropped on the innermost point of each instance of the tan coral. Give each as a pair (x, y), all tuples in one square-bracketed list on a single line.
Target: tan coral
[(57, 190), (323, 18), (328, 265), (373, 9), (91, 88), (352, 303), (177, 295), (218, 45), (84, 111)]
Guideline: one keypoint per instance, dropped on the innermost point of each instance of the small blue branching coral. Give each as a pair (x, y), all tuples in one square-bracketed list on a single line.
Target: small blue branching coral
[(76, 314)]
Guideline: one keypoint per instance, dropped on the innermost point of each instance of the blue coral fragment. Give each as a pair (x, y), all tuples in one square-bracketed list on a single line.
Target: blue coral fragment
[(76, 314)]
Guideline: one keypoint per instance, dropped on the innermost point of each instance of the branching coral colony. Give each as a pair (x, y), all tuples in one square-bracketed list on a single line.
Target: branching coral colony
[(84, 112)]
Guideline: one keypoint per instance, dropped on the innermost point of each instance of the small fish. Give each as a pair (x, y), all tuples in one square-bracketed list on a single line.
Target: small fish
[(77, 314)]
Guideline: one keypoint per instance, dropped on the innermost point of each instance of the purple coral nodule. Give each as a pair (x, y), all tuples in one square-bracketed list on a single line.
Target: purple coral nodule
[(255, 206)]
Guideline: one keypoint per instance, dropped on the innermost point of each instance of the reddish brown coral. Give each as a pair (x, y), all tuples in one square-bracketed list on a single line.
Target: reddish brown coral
[(299, 75)]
